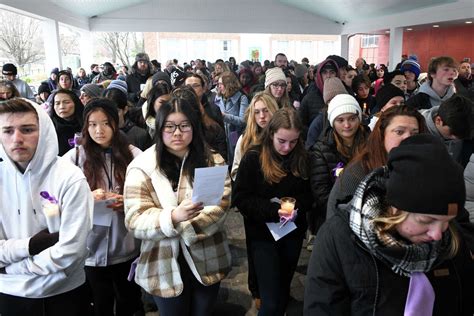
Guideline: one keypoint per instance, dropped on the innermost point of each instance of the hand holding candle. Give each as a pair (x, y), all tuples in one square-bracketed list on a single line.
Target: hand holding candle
[(51, 212), (287, 206)]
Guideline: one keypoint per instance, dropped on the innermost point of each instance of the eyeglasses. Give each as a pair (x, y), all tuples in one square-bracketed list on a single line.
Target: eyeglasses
[(184, 127), (278, 85)]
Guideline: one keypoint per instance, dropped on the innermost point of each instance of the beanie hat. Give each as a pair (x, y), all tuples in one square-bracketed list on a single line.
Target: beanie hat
[(55, 71), (105, 104), (300, 70), (343, 103), (411, 65), (424, 178), (9, 69), (273, 75), (142, 57), (64, 72), (332, 87), (92, 90), (44, 87), (177, 77), (161, 75), (118, 84), (386, 93), (340, 61), (387, 79)]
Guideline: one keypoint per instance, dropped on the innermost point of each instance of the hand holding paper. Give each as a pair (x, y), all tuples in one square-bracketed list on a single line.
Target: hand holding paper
[(208, 186), (185, 211)]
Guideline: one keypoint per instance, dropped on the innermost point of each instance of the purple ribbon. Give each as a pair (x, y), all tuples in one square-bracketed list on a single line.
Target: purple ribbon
[(51, 198), (338, 166), (421, 296)]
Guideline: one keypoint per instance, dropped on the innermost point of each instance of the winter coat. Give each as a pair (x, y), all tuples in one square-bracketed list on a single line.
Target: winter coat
[(149, 200), (311, 105), (344, 187), (323, 160), (344, 278), (59, 268), (136, 136), (65, 129), (108, 245), (134, 82), (233, 110), (252, 194)]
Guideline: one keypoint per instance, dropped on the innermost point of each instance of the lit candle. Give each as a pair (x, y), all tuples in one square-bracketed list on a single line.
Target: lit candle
[(51, 213), (287, 204)]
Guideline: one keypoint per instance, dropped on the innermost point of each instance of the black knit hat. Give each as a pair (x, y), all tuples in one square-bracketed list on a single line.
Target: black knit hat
[(9, 69), (386, 93), (340, 61), (105, 104), (44, 87), (160, 75), (424, 178)]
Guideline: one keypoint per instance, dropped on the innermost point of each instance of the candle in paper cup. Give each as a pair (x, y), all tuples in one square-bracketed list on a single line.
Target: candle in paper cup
[(288, 204), (53, 219)]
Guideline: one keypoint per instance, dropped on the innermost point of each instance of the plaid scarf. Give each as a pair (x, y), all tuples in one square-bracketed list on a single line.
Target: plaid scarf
[(401, 256)]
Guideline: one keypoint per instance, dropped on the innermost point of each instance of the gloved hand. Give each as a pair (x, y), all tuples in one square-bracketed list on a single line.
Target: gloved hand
[(42, 241)]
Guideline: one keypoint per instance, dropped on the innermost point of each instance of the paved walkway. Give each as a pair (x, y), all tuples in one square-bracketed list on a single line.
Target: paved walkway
[(234, 297)]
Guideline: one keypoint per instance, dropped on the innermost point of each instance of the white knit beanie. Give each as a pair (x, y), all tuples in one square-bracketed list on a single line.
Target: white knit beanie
[(273, 75), (341, 104)]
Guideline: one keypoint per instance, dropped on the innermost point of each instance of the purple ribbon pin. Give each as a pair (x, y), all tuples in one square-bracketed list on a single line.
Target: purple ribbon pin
[(339, 165), (51, 198)]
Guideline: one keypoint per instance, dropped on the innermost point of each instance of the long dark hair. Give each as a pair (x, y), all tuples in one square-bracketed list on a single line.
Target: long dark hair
[(158, 90), (78, 106), (121, 154), (199, 154)]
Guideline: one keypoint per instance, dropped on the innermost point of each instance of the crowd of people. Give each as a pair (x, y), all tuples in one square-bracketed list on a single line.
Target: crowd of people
[(373, 168)]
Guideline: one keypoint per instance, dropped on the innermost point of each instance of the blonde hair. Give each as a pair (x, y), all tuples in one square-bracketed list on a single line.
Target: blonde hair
[(252, 131), (284, 100), (386, 223)]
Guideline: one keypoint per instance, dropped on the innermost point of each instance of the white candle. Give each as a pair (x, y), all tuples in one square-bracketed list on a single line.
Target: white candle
[(52, 216)]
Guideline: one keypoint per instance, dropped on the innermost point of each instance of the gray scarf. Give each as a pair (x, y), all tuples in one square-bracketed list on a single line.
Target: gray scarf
[(402, 257)]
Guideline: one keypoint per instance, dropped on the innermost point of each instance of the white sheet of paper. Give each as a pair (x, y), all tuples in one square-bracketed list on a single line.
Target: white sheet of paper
[(209, 184), (278, 232), (103, 214)]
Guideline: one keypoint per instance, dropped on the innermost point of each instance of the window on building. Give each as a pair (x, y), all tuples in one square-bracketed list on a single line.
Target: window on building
[(370, 41), (225, 46)]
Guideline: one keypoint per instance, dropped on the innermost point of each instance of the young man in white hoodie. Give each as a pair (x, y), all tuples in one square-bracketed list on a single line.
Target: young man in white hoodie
[(41, 257), (440, 84)]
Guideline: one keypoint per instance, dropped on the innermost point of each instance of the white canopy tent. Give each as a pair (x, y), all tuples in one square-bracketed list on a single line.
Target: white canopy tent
[(333, 17)]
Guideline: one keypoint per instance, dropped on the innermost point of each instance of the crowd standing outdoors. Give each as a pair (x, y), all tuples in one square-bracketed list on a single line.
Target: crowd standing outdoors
[(374, 168)]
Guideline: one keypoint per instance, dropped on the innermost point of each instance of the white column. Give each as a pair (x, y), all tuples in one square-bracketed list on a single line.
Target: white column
[(87, 47), (396, 43), (345, 46), (52, 45)]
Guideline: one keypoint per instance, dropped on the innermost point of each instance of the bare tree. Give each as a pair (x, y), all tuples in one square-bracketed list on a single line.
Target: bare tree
[(69, 44), (118, 44), (122, 46), (19, 38)]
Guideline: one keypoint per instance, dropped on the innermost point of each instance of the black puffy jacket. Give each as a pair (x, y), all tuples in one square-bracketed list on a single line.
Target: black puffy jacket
[(323, 159), (344, 278)]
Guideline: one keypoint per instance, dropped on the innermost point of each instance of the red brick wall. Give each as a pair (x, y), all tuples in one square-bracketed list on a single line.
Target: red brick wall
[(455, 41)]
